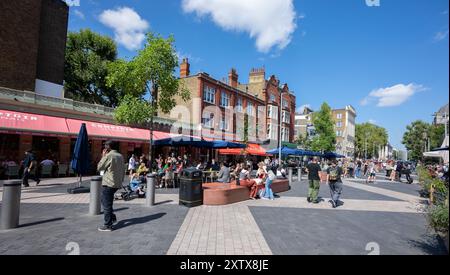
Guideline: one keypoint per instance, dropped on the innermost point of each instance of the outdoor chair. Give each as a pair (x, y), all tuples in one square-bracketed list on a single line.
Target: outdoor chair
[(12, 171), (71, 172), (62, 169), (46, 171)]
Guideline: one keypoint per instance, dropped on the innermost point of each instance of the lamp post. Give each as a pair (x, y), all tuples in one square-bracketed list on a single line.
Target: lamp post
[(281, 126)]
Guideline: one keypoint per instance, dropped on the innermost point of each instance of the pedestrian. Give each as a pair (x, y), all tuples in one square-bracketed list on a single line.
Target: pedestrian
[(30, 169), (334, 180), (132, 165), (313, 170), (112, 163)]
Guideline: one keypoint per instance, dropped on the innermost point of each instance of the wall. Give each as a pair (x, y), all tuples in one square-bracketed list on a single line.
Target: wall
[(19, 43)]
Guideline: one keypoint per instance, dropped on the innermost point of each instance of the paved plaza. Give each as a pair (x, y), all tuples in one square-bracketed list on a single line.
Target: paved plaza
[(389, 216)]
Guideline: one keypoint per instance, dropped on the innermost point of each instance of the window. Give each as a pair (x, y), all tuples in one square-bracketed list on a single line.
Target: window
[(286, 117), (224, 125), (272, 98), (272, 112), (339, 124), (250, 108), (271, 132), (339, 116), (208, 120), (285, 103), (209, 95), (239, 104), (285, 134), (339, 133), (224, 100)]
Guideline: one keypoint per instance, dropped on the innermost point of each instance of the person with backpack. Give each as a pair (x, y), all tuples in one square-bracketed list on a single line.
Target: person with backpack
[(334, 180)]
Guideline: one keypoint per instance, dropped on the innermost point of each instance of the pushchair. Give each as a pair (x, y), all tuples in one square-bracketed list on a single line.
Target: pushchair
[(127, 193)]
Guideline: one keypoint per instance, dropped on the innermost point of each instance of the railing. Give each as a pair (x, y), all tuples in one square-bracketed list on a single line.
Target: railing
[(63, 103)]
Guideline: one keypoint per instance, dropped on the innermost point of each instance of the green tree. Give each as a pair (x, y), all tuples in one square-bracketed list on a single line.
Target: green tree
[(369, 138), (303, 141), (151, 72), (437, 135), (326, 136), (86, 68), (415, 139)]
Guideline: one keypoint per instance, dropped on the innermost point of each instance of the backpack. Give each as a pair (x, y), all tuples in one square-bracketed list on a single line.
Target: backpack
[(334, 174)]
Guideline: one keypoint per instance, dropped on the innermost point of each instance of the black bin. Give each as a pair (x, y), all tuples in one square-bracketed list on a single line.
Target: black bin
[(191, 191)]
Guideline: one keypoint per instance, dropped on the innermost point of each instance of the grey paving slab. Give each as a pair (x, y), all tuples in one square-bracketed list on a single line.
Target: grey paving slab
[(328, 232), (48, 228), (410, 189), (300, 189)]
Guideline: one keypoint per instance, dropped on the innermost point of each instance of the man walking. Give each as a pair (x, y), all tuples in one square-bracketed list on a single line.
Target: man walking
[(334, 179), (313, 170), (112, 163), (30, 169)]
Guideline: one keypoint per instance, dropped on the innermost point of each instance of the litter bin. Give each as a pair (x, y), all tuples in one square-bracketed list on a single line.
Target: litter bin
[(191, 191)]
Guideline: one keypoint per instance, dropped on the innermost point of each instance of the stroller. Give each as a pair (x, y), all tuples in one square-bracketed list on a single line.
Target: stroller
[(127, 193)]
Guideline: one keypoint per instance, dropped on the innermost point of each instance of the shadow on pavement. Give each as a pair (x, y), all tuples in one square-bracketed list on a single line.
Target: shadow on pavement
[(117, 210), (130, 222), (164, 202), (40, 222), (431, 245)]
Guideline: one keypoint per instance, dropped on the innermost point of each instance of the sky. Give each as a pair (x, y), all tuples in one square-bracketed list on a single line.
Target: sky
[(387, 58)]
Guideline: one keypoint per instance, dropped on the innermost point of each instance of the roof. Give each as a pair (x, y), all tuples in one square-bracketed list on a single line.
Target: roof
[(443, 110)]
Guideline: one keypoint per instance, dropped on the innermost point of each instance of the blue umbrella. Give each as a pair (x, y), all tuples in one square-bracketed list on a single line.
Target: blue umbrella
[(81, 158), (221, 144), (332, 155), (284, 151)]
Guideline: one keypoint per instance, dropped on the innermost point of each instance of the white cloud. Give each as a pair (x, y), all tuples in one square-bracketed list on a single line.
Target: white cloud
[(271, 22), (372, 121), (439, 36), (129, 28), (392, 96), (79, 14)]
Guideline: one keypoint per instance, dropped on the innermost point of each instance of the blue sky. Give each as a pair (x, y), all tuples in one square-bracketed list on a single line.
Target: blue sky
[(390, 62)]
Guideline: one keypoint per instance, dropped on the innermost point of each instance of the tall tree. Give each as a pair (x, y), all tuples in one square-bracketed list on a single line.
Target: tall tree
[(151, 72), (87, 57), (369, 138), (415, 139), (325, 140), (437, 136)]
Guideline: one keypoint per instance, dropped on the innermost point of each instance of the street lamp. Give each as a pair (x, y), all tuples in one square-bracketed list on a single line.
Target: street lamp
[(281, 126)]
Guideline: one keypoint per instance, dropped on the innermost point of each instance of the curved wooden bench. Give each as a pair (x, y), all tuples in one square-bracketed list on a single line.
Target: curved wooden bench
[(225, 193)]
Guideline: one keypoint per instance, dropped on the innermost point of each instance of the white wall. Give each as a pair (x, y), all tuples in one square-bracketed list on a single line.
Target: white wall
[(49, 89)]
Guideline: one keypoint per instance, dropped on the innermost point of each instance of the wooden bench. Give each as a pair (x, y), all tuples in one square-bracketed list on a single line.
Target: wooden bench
[(225, 193)]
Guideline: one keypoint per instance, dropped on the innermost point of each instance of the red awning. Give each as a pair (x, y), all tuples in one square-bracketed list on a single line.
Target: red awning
[(22, 122), (17, 122), (96, 129), (252, 149)]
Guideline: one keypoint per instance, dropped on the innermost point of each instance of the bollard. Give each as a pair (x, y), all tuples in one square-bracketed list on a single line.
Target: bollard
[(150, 194), (299, 174), (96, 193), (290, 175), (11, 204)]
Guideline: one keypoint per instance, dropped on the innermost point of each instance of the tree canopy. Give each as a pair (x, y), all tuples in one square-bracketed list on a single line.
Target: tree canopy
[(421, 136), (325, 140), (369, 138), (88, 55), (150, 73)]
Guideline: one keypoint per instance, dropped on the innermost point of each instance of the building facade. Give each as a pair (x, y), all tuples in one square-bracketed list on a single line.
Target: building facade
[(275, 97), (345, 126), (304, 125), (33, 37), (217, 109), (386, 152)]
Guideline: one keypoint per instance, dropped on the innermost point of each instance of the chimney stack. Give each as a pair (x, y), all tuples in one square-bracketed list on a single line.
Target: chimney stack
[(185, 68), (233, 78)]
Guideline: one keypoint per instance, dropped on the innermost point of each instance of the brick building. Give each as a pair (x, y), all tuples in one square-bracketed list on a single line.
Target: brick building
[(32, 45), (272, 93), (217, 109)]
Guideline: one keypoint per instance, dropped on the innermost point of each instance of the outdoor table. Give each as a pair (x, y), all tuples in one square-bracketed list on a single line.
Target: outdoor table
[(210, 174)]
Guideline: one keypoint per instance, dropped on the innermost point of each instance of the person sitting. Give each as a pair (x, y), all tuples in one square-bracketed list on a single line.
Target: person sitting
[(245, 180), (47, 162), (135, 185), (214, 165), (224, 174), (236, 171), (142, 172)]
